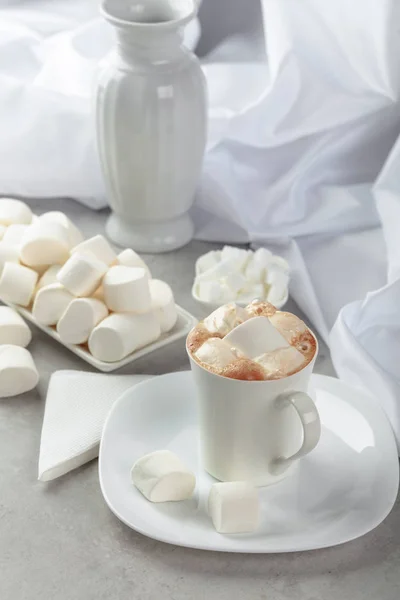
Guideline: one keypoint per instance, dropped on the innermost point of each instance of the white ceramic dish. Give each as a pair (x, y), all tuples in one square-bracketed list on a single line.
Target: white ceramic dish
[(183, 325), (212, 306), (342, 490)]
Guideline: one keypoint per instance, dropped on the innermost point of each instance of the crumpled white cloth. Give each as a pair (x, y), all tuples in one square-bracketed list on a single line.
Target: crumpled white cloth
[(77, 405), (302, 154)]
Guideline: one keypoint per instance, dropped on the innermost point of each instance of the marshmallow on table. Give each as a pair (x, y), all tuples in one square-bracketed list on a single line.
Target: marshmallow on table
[(55, 216), (161, 476), (50, 303), (163, 304), (120, 334), (98, 247), (82, 274), (234, 507), (14, 211), (44, 243), (79, 319), (216, 353), (14, 234), (129, 258), (13, 329), (18, 373), (8, 254), (225, 318), (255, 336), (126, 289), (49, 276), (17, 283)]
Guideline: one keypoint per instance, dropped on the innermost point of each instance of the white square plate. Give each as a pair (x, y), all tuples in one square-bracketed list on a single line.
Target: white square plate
[(339, 492), (184, 324)]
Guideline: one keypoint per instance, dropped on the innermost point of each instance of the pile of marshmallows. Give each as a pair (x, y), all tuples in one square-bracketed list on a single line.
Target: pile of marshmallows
[(161, 476), (82, 287), (237, 275)]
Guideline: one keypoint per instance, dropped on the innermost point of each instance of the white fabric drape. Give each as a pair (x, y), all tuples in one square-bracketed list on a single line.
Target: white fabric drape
[(302, 153)]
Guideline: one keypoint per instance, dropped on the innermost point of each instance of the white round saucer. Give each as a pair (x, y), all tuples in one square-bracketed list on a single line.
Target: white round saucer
[(339, 492)]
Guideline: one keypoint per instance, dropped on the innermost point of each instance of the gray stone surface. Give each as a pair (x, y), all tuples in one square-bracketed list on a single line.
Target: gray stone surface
[(59, 541)]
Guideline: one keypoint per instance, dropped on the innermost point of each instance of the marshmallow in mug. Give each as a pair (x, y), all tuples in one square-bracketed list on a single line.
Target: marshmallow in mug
[(45, 243), (50, 303), (18, 373), (14, 211), (121, 334), (98, 247), (74, 235), (79, 319), (161, 476), (126, 289), (17, 283), (82, 274), (13, 329)]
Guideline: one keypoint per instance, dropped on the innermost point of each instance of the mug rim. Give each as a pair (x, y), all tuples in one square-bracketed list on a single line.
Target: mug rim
[(256, 381)]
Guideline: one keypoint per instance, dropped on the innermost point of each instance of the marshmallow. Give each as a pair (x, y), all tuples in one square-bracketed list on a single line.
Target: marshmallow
[(238, 256), (225, 318), (256, 336), (235, 282), (288, 325), (234, 507), (79, 319), (17, 284), (212, 292), (126, 289), (129, 258), (8, 254), (82, 274), (221, 269), (14, 234), (216, 353), (14, 211), (99, 248), (278, 282), (279, 263), (13, 329), (45, 243), (121, 334), (163, 304), (282, 362), (18, 373), (207, 261), (50, 303), (48, 277), (255, 291), (3, 229), (161, 476), (74, 235)]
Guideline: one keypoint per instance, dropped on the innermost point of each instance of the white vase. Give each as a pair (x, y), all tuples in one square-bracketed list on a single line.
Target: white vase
[(151, 124)]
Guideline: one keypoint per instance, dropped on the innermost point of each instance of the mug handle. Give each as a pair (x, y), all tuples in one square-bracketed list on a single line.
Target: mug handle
[(310, 421)]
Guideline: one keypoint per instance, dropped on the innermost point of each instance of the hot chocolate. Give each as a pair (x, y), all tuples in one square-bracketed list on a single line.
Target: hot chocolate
[(276, 345)]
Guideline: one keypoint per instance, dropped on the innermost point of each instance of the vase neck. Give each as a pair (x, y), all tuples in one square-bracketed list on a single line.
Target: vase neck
[(135, 44)]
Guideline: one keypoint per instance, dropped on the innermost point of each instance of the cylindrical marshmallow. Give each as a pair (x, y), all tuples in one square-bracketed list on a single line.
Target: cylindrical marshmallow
[(18, 373), (50, 303), (14, 211), (126, 289), (129, 258), (45, 243), (13, 329), (163, 304), (17, 284), (79, 319), (8, 254), (234, 507), (74, 235), (99, 247), (48, 277), (14, 234), (82, 274), (3, 229), (161, 476), (120, 334)]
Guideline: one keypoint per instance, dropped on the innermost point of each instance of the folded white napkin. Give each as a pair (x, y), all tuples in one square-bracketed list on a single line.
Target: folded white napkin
[(77, 405)]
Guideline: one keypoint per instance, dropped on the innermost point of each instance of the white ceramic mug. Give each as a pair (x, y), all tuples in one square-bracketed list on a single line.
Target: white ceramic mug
[(255, 430)]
